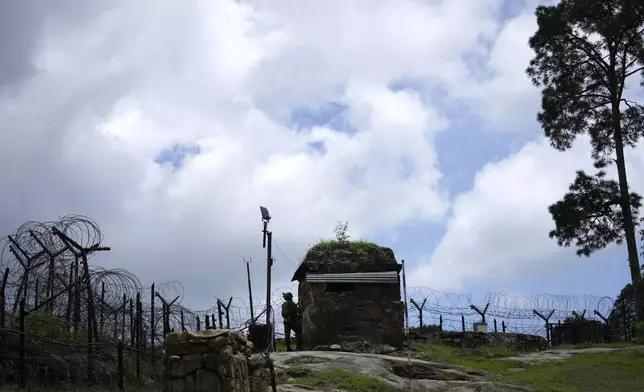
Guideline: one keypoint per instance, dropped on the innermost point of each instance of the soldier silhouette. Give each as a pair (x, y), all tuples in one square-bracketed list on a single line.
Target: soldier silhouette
[(291, 316)]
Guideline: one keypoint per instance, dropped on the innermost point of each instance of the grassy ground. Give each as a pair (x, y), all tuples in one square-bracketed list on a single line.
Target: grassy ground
[(590, 345), (619, 371), (611, 372), (615, 371)]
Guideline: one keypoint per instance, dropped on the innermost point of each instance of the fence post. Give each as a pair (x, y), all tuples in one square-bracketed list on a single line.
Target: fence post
[(546, 319), (22, 366), (139, 330), (3, 286), (503, 326), (119, 355), (605, 327), (70, 303), (50, 277), (495, 330), (271, 368), (91, 309), (90, 345), (198, 324), (420, 311), (220, 313), (220, 306), (230, 301), (116, 326), (152, 332), (463, 322), (123, 307), (36, 293), (576, 338), (167, 319), (440, 322), (132, 333), (102, 315), (480, 312), (207, 321), (183, 324)]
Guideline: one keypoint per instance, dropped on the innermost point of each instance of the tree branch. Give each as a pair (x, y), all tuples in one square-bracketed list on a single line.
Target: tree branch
[(627, 102), (634, 72), (592, 53)]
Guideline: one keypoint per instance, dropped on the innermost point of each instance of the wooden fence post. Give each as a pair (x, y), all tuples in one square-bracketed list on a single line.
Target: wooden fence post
[(121, 376), (138, 330), (22, 366)]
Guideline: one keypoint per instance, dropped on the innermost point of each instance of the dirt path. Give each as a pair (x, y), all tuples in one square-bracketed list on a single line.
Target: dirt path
[(563, 354)]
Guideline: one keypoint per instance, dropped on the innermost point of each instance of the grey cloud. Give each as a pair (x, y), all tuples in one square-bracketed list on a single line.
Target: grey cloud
[(184, 75), (21, 25)]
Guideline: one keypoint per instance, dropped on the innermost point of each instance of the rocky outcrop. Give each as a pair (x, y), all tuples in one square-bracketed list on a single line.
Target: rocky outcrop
[(396, 371), (214, 360), (358, 347)]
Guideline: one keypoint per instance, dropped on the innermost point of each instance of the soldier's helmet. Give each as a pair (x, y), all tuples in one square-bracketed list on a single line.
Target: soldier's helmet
[(287, 296)]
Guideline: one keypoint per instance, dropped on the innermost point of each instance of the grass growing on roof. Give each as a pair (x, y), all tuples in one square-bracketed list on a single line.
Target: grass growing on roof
[(330, 245), (326, 245)]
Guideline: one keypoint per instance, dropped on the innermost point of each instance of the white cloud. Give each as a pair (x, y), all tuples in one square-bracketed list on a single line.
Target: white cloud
[(109, 88), (498, 231), (500, 92), (107, 96)]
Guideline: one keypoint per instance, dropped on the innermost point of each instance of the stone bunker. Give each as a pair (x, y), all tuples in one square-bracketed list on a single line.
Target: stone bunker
[(350, 294)]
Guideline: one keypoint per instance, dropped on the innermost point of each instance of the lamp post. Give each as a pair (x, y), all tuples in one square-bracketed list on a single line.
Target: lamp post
[(267, 237)]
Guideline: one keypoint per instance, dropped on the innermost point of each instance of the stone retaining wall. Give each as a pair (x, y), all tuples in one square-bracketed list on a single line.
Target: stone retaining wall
[(512, 341), (214, 360)]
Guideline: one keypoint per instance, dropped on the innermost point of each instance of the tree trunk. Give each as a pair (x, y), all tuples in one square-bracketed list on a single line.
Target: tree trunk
[(629, 225)]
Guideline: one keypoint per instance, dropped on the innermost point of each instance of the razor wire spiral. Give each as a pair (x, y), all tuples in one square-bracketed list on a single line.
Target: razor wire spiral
[(46, 272)]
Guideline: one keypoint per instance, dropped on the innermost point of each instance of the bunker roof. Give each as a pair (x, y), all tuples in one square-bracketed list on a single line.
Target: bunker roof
[(333, 257)]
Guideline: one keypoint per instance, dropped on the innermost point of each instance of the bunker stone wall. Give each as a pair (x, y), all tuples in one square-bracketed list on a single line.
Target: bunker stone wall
[(343, 313), (213, 360)]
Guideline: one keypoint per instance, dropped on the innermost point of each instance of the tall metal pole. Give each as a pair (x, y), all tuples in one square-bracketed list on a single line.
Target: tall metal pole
[(268, 236), (250, 290), (269, 264), (407, 323)]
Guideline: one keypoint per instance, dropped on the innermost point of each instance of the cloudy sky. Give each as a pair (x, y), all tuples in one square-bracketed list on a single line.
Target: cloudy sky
[(169, 123)]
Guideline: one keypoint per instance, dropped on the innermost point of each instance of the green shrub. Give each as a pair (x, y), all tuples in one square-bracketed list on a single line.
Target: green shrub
[(47, 325), (639, 332)]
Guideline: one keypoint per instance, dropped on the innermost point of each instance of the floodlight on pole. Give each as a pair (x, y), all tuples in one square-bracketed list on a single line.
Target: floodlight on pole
[(266, 217)]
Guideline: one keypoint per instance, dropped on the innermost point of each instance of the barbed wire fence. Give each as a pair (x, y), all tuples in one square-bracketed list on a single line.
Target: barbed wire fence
[(503, 312), (63, 319)]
